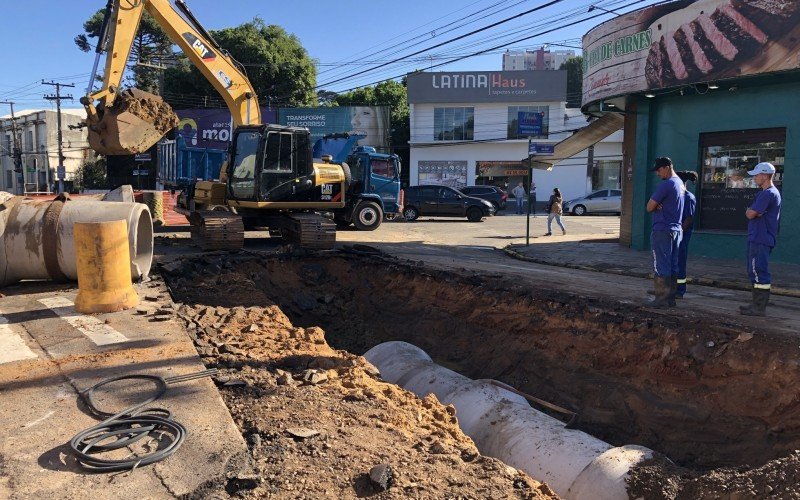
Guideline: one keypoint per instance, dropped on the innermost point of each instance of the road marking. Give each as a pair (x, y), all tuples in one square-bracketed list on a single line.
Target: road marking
[(12, 347), (97, 331)]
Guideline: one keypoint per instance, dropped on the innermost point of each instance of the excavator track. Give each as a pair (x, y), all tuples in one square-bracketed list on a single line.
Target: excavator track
[(217, 230), (311, 230)]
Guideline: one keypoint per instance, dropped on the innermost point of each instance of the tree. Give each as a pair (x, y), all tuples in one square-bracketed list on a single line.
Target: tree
[(574, 67), (92, 175), (326, 97), (151, 47), (393, 94), (278, 67)]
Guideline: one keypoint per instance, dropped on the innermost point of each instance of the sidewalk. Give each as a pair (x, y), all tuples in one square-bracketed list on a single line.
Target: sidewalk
[(609, 257)]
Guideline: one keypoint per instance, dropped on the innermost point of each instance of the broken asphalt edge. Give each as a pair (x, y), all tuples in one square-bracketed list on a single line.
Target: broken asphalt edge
[(511, 251)]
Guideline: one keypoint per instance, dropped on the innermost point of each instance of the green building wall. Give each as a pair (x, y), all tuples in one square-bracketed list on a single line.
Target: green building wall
[(670, 125)]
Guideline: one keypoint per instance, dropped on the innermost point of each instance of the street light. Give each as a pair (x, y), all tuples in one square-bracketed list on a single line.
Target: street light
[(592, 7)]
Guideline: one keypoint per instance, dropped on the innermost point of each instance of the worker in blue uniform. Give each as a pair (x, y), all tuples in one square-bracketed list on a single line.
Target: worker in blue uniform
[(687, 224), (666, 205), (762, 236)]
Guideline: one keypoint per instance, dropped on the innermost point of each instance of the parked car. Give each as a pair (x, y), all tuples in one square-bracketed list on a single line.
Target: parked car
[(493, 194), (603, 201), (443, 201)]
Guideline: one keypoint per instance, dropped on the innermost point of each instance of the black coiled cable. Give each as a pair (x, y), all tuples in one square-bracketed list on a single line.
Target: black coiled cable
[(130, 425)]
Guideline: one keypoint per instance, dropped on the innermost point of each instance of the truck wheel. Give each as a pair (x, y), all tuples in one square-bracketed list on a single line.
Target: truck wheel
[(474, 214), (368, 216)]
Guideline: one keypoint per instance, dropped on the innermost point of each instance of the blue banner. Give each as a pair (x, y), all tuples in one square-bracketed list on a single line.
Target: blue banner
[(529, 123), (211, 127), (541, 149)]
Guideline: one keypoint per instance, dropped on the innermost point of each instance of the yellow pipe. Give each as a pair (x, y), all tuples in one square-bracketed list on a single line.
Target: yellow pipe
[(103, 264)]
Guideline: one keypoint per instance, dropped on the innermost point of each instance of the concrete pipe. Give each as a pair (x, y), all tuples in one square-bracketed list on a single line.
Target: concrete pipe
[(503, 425), (39, 242)]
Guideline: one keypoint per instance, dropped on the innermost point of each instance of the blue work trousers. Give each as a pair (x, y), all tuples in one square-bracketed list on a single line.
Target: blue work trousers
[(758, 264), (520, 205), (665, 252), (683, 256)]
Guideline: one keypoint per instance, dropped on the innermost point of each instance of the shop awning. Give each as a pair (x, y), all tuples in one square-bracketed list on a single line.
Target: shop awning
[(580, 140)]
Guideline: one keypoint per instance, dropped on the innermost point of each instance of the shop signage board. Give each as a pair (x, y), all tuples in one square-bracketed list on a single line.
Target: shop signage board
[(500, 168), (688, 42), (487, 86), (142, 157), (529, 124), (443, 173)]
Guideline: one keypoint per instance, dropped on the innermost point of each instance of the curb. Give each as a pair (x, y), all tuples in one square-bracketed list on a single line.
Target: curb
[(730, 285)]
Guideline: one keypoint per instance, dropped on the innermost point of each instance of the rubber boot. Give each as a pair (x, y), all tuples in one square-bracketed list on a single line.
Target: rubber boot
[(673, 291), (662, 292), (759, 305)]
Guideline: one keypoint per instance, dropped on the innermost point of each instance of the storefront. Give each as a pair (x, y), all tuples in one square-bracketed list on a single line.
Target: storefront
[(717, 116), (465, 131)]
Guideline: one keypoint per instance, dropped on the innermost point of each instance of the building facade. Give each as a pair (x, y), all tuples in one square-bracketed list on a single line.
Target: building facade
[(465, 131), (37, 139), (717, 116), (535, 60)]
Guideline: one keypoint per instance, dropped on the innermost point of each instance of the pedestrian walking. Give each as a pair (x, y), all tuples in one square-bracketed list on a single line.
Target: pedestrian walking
[(555, 209), (532, 197), (762, 236), (519, 196), (666, 205), (687, 224)]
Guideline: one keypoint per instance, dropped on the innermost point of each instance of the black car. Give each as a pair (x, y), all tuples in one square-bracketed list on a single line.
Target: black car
[(443, 201), (493, 194)]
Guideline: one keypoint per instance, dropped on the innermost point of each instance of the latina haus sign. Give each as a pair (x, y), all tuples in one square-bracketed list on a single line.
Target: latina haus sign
[(487, 86)]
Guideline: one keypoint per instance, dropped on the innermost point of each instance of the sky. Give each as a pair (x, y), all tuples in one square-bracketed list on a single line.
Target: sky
[(344, 37)]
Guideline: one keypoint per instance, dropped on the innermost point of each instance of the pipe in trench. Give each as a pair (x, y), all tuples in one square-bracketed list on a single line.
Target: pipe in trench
[(503, 425), (38, 240)]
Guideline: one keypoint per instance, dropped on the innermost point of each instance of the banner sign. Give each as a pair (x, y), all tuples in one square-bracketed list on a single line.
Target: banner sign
[(541, 149), (443, 173), (487, 86), (688, 42), (211, 127), (529, 123), (371, 123), (142, 157)]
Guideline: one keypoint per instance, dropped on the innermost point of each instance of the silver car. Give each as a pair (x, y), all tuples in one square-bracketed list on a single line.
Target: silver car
[(603, 201)]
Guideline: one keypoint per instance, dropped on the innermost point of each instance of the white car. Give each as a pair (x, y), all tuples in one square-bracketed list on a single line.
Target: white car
[(603, 201)]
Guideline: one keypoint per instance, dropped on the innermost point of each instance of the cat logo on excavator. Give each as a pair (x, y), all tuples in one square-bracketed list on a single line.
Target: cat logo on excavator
[(199, 47)]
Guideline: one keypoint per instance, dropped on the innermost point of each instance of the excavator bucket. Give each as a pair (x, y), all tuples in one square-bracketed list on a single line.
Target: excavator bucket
[(135, 122)]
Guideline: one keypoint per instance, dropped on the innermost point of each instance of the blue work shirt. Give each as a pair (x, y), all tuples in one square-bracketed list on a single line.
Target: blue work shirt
[(669, 194), (764, 229), (689, 209)]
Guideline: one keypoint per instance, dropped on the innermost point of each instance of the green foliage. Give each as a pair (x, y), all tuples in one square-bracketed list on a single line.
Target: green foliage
[(277, 65), (92, 175), (574, 67), (151, 46), (389, 93)]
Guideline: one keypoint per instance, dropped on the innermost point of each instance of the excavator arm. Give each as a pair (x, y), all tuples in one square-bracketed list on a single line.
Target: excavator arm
[(132, 121)]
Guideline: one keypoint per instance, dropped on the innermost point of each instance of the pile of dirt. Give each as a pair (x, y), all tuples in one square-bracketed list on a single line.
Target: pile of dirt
[(149, 107), (319, 422), (703, 391)]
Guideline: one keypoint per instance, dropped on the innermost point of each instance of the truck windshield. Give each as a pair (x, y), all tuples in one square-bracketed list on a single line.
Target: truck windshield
[(384, 167)]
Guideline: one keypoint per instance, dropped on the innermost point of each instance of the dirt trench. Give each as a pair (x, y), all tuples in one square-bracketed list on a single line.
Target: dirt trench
[(716, 400)]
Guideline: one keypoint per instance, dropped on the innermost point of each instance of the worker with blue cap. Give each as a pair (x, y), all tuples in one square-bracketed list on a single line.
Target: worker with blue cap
[(762, 236)]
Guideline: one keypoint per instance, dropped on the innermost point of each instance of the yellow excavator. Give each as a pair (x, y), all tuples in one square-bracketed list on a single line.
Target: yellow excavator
[(269, 180)]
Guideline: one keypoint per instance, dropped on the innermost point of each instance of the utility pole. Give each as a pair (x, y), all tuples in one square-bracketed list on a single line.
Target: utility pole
[(16, 154), (61, 170)]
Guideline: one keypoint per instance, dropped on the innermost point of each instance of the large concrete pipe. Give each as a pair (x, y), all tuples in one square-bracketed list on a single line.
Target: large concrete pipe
[(38, 239), (503, 425)]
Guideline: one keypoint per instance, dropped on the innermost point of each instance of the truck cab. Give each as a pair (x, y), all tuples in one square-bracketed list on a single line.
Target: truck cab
[(374, 191)]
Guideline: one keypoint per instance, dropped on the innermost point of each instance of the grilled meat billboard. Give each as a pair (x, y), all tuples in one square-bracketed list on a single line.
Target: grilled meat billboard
[(687, 42)]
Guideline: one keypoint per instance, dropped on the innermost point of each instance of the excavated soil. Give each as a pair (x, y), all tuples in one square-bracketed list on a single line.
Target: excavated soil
[(720, 402)]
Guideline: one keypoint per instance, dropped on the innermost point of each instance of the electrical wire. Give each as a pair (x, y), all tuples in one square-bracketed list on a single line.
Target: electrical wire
[(134, 423)]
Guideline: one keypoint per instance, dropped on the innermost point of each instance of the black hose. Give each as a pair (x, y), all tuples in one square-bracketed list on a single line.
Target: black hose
[(130, 425)]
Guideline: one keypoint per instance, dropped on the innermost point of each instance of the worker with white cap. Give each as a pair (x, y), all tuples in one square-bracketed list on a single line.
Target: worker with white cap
[(762, 235)]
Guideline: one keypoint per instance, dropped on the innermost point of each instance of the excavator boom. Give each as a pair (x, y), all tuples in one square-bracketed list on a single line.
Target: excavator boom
[(132, 121)]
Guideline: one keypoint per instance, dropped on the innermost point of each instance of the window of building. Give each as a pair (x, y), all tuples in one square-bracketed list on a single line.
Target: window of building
[(606, 174), (453, 124), (8, 147), (726, 190), (29, 140), (9, 179), (513, 114)]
